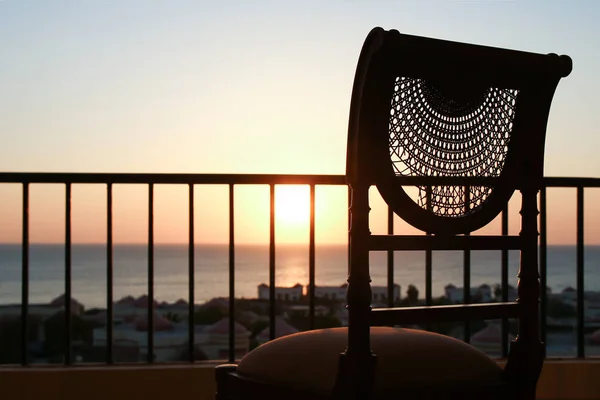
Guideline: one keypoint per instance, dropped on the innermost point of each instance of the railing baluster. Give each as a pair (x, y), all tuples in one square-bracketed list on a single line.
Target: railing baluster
[(272, 262), (467, 268), (580, 272), (428, 255), (390, 259), (311, 261), (25, 277), (109, 274), (504, 280), (428, 259), (543, 266), (191, 276), (349, 218), (231, 355), (150, 354), (68, 339), (349, 214)]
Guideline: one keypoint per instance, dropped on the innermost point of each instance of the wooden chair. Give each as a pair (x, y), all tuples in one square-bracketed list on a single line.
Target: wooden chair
[(463, 125)]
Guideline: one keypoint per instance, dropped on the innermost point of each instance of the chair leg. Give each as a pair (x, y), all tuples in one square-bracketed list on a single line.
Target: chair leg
[(222, 372), (347, 386), (528, 394), (524, 367)]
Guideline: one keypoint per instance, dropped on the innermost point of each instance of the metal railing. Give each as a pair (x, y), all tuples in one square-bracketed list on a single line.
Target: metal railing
[(231, 180)]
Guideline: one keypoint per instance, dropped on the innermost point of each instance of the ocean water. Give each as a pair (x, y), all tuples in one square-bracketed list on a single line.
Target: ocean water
[(252, 268)]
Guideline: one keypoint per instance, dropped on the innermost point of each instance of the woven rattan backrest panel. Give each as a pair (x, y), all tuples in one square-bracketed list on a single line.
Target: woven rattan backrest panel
[(431, 134)]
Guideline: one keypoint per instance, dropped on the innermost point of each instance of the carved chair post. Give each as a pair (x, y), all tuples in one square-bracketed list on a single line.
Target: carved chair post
[(358, 362), (222, 378), (528, 348), (527, 352)]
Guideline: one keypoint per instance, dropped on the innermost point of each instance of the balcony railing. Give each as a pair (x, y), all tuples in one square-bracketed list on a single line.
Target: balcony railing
[(231, 181)]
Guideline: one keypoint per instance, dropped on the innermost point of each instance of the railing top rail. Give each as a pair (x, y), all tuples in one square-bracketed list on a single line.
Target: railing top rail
[(167, 178), (571, 182), (253, 179)]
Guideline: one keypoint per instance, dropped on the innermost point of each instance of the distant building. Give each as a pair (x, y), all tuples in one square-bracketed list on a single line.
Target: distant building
[(331, 292), (595, 338), (569, 296), (320, 310), (342, 315), (171, 339), (282, 328), (293, 293), (247, 318), (128, 308), (76, 307), (379, 293), (42, 310), (220, 303), (214, 340), (489, 339), (512, 293), (168, 337), (482, 294)]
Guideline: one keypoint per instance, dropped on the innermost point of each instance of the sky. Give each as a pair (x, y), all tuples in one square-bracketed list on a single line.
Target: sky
[(243, 87)]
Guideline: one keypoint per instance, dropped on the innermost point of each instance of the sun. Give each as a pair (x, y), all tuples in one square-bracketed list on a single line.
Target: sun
[(292, 204)]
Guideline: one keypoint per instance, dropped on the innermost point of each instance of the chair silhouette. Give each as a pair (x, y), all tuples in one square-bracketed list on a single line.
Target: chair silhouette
[(464, 127)]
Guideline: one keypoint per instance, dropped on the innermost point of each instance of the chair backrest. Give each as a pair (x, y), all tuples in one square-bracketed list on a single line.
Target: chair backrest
[(432, 108)]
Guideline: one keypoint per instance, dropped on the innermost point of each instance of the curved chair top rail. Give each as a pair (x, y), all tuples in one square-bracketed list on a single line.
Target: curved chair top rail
[(425, 107), (428, 58)]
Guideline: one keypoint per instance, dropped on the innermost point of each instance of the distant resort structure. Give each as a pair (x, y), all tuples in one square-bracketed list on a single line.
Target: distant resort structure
[(297, 292), (251, 325)]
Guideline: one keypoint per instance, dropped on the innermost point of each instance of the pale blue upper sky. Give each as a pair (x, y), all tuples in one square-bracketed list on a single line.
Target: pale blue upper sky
[(246, 86)]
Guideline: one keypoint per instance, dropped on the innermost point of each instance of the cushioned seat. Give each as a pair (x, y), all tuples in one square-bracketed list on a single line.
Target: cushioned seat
[(406, 358)]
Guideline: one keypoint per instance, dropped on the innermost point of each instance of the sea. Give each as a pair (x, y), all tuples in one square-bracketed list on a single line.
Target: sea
[(130, 270)]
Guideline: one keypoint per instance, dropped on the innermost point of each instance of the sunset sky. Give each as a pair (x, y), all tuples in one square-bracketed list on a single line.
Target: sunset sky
[(243, 87)]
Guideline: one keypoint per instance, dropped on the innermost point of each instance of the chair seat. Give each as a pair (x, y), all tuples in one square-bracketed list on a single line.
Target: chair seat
[(406, 358)]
